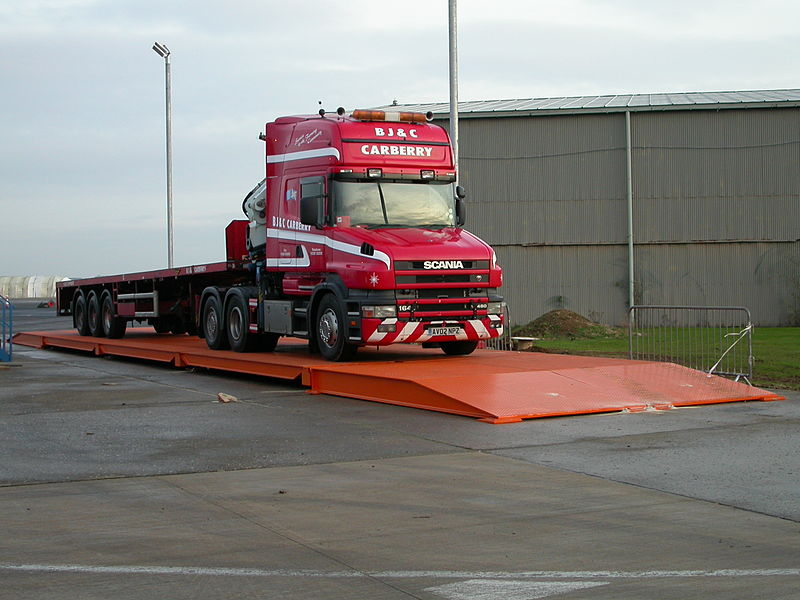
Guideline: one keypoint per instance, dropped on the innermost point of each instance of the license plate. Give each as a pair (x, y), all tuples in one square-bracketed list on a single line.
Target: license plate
[(432, 331)]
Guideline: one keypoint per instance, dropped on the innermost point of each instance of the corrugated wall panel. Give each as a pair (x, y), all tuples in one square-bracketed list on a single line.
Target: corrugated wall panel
[(549, 193), (717, 175), (546, 179), (764, 277), (590, 280)]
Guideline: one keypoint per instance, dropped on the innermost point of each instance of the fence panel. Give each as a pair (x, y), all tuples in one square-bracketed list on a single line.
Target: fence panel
[(714, 339), (6, 329), (504, 341)]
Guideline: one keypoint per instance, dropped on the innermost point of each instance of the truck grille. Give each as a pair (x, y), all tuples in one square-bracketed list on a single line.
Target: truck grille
[(442, 278), (419, 265), (445, 292)]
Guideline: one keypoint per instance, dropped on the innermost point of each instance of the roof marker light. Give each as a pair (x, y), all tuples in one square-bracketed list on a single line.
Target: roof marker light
[(380, 115)]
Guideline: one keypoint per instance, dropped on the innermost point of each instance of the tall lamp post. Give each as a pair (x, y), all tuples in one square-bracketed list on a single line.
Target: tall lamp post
[(163, 51), (452, 13)]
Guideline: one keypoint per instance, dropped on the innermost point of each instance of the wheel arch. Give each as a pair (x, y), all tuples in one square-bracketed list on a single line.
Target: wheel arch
[(332, 285)]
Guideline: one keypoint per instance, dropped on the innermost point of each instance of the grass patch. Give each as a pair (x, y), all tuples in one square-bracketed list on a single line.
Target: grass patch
[(776, 351)]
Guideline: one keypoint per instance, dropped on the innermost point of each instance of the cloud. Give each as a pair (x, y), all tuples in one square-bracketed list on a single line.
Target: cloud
[(82, 163)]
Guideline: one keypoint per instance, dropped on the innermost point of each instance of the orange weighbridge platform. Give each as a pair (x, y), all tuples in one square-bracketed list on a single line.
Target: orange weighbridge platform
[(493, 386)]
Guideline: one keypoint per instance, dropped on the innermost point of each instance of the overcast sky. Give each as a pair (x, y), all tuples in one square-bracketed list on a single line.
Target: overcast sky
[(82, 163)]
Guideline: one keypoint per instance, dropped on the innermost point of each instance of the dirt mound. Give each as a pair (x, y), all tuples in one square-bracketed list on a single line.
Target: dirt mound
[(563, 323)]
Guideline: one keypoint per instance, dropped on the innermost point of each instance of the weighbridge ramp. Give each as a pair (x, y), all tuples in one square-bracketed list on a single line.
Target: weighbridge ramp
[(490, 385)]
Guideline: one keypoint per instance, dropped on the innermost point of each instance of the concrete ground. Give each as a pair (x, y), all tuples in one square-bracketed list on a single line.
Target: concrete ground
[(122, 479)]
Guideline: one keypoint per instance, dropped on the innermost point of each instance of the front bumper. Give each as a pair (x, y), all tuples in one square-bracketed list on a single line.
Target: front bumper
[(410, 332)]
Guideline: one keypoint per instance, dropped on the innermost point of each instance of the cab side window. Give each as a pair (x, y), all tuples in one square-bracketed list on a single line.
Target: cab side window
[(312, 201)]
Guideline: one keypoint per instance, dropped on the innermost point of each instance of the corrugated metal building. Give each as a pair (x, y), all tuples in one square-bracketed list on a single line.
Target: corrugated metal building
[(714, 188)]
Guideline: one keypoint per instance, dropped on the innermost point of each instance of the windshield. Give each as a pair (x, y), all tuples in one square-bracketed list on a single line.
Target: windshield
[(382, 204)]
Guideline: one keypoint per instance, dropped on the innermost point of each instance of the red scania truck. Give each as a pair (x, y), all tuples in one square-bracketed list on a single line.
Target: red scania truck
[(353, 238)]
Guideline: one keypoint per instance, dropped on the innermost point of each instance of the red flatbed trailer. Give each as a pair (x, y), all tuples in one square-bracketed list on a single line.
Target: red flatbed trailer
[(168, 299)]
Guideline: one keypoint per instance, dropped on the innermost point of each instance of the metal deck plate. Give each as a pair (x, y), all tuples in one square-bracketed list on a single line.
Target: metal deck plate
[(494, 386)]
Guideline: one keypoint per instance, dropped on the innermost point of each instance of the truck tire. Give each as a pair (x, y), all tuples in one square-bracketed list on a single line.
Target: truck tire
[(214, 324), (79, 318), (93, 317), (331, 331), (237, 318), (113, 326), (459, 348)]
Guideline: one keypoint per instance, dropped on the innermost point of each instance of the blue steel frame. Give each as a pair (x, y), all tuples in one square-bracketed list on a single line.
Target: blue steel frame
[(6, 329)]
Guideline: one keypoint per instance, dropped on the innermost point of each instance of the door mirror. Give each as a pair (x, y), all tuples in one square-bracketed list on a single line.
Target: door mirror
[(461, 211), (461, 192)]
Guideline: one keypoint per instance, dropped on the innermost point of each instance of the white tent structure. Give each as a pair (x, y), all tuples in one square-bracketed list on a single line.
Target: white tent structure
[(29, 286)]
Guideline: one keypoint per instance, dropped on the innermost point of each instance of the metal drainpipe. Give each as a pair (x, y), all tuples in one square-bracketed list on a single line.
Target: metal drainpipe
[(630, 206), (453, 35)]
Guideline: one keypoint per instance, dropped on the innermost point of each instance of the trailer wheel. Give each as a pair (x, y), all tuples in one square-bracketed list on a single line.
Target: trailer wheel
[(238, 325), (331, 331), (113, 326), (459, 348), (93, 317), (214, 324), (79, 317)]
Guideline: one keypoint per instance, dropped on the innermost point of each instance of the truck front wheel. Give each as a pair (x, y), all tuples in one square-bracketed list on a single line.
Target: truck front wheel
[(331, 331), (459, 348), (214, 324)]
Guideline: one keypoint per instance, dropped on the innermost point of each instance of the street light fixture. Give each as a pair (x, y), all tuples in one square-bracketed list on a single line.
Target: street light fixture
[(163, 52)]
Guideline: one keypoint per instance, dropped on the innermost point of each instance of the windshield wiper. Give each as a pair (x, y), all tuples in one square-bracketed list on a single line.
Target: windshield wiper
[(390, 226), (383, 204)]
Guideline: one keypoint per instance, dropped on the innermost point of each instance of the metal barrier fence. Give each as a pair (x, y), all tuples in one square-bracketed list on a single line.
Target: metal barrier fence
[(504, 341), (6, 329), (714, 339)]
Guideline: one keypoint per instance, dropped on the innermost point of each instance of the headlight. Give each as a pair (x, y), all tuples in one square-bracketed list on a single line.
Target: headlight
[(378, 312), (495, 308)]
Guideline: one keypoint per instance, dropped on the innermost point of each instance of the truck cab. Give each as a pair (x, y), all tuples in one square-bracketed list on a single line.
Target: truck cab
[(356, 237)]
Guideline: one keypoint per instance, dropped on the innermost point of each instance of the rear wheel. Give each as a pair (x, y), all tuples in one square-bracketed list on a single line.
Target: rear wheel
[(93, 318), (237, 317), (113, 326), (459, 348), (79, 316), (214, 324), (331, 331)]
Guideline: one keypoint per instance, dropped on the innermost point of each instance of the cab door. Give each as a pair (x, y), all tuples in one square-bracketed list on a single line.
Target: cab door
[(287, 215), (312, 242)]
